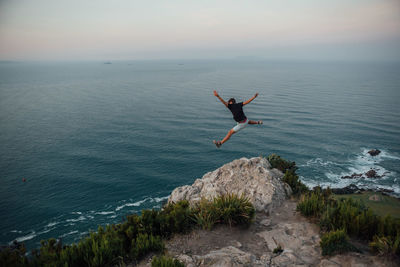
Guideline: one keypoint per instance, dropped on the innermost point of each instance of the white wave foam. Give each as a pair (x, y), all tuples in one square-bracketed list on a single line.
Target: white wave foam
[(138, 203), (25, 237), (69, 233), (80, 218), (159, 199), (367, 158), (105, 212), (45, 231), (51, 224), (360, 164), (76, 212), (83, 233), (135, 204), (319, 162), (16, 231)]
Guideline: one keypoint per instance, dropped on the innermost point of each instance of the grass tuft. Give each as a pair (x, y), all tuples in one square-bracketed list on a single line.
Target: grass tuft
[(335, 242)]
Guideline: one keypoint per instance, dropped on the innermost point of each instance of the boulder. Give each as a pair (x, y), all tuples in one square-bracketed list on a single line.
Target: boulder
[(353, 176), (350, 189), (254, 178), (372, 174), (374, 152), (299, 241), (369, 174)]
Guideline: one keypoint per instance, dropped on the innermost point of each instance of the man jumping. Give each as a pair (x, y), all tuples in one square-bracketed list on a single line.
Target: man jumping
[(238, 116)]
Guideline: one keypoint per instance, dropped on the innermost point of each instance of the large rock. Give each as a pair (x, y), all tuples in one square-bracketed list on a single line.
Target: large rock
[(225, 257), (252, 177), (299, 241), (374, 152)]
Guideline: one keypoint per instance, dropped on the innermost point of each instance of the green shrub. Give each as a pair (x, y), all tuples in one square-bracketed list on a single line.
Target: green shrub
[(292, 179), (385, 245), (289, 169), (13, 256), (145, 243), (278, 250), (335, 242), (314, 202), (176, 218), (205, 214), (100, 248), (226, 209), (281, 164), (164, 261), (234, 210)]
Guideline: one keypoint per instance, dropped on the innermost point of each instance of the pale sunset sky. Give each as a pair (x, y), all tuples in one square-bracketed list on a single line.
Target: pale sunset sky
[(185, 29)]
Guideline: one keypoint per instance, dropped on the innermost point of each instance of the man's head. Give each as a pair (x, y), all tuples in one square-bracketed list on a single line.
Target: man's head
[(231, 101)]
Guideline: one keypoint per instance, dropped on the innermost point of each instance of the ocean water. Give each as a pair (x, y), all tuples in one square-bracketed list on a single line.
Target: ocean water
[(96, 141)]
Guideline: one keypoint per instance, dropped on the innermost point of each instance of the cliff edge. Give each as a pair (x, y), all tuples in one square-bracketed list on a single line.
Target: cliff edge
[(279, 236), (253, 178)]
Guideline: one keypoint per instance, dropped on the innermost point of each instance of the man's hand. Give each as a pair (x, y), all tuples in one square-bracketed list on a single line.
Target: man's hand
[(220, 99), (255, 95)]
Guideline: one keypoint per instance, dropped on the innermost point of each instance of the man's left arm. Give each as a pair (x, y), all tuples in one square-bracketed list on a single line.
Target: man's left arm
[(251, 99)]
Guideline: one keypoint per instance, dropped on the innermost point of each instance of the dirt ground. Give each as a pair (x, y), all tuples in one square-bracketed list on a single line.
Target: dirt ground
[(201, 242)]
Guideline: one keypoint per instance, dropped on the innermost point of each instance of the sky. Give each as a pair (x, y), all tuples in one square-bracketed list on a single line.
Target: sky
[(202, 29)]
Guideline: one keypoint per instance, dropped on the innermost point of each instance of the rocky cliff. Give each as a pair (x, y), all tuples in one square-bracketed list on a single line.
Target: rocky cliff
[(252, 177), (277, 224)]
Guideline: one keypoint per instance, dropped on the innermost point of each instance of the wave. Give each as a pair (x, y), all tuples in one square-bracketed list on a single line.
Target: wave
[(134, 204), (83, 219), (80, 218), (69, 233), (27, 237), (360, 164), (51, 224), (319, 162), (140, 202), (105, 212)]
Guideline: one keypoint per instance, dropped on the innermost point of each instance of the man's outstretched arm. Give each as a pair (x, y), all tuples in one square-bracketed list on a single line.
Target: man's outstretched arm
[(220, 98), (251, 99)]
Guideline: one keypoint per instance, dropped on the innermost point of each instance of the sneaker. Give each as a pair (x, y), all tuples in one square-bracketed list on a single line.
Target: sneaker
[(217, 143)]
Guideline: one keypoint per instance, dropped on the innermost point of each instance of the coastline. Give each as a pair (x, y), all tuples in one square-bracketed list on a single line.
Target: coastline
[(278, 224)]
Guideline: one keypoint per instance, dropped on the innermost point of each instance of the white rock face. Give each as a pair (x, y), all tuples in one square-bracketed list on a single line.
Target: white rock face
[(252, 177)]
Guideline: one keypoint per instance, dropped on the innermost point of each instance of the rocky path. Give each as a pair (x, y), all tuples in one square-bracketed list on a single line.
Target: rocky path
[(299, 239)]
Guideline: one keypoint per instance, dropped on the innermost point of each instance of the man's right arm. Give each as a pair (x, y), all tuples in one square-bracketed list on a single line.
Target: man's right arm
[(220, 98)]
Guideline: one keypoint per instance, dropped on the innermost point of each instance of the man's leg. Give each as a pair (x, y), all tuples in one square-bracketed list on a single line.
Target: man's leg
[(226, 138), (255, 122), (228, 135)]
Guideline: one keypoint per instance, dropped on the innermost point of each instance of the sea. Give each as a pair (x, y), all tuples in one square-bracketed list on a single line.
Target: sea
[(84, 144)]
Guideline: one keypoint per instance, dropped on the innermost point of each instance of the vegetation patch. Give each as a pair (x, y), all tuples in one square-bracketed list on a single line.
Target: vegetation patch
[(335, 242), (227, 209), (137, 236), (278, 250), (289, 169), (352, 216), (164, 261), (385, 245), (379, 203), (281, 164)]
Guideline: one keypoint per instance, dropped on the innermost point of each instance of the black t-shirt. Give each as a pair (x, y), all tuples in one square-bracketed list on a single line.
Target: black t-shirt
[(237, 111)]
